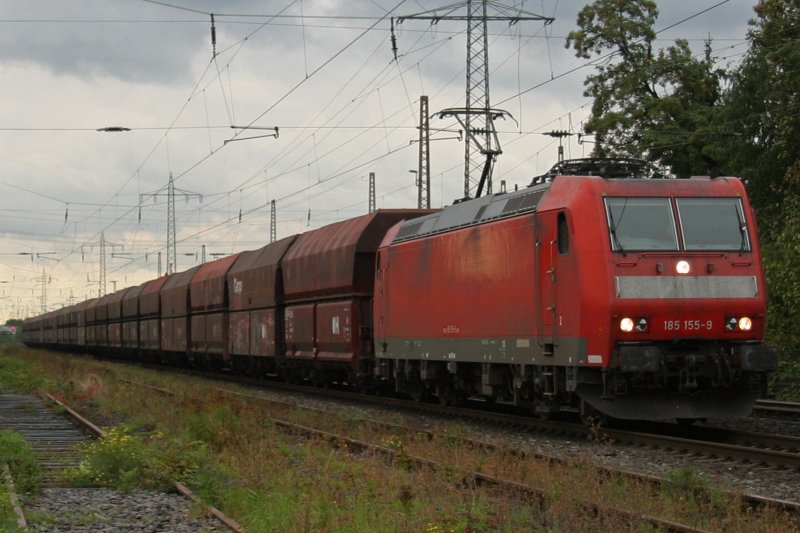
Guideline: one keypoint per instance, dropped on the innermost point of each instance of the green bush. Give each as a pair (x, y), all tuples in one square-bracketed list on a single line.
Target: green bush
[(119, 460)]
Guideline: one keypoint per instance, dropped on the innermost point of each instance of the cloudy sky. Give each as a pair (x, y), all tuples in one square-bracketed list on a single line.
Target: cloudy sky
[(322, 71)]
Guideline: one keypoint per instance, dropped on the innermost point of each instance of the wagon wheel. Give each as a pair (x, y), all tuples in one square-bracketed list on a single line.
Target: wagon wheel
[(591, 417), (418, 391), (689, 422), (448, 395), (544, 409)]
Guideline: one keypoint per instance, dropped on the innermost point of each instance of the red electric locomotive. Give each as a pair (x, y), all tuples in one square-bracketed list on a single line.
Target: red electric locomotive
[(629, 297), (634, 298)]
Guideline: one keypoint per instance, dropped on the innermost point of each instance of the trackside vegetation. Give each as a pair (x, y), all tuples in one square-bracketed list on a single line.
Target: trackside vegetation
[(231, 452)]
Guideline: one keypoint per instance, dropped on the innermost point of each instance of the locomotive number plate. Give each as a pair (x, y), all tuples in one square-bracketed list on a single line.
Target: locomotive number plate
[(688, 325)]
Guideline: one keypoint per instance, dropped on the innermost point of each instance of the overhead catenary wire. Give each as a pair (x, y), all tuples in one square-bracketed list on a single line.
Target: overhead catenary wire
[(315, 159)]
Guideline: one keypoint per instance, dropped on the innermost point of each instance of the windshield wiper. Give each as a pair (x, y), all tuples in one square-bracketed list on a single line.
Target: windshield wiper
[(613, 226), (742, 229)]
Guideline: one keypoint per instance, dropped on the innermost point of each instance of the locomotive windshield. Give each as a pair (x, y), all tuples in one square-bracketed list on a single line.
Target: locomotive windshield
[(713, 224), (648, 224), (642, 224)]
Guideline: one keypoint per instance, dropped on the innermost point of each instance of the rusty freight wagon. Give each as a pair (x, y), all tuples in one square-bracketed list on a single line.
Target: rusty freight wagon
[(150, 318), (208, 297), (255, 302), (175, 323), (130, 320), (328, 280)]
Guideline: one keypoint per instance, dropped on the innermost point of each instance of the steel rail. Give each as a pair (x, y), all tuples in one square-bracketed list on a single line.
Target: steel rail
[(777, 407)]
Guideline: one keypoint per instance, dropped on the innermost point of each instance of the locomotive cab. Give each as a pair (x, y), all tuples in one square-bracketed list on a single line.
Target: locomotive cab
[(685, 301)]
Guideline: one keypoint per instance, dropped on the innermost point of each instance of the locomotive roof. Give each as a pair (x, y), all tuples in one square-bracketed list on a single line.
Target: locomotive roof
[(504, 205), (471, 212)]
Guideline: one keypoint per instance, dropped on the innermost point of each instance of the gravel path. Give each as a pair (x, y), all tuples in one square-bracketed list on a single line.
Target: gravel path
[(105, 511)]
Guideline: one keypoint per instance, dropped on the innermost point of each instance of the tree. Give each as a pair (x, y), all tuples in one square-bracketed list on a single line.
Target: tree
[(763, 104), (662, 107)]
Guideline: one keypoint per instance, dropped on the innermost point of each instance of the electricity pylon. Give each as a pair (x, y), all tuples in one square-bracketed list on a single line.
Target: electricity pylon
[(172, 254), (101, 291), (480, 148)]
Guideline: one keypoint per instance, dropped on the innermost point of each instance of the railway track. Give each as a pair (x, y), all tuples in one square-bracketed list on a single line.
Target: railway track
[(527, 491), (757, 448), (749, 449), (777, 407), (53, 437), (754, 451)]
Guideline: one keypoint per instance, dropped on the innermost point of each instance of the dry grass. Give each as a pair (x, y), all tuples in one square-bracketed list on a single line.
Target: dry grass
[(271, 481)]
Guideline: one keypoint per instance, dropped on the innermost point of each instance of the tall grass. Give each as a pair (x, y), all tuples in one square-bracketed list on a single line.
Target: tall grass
[(228, 450)]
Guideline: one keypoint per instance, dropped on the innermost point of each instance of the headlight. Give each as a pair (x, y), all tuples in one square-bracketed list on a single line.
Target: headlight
[(733, 323), (640, 325), (682, 267)]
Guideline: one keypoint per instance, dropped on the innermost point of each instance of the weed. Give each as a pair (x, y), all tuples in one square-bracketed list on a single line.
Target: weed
[(22, 461), (686, 484), (117, 460), (353, 418), (228, 453), (124, 461), (16, 375), (8, 519), (218, 427)]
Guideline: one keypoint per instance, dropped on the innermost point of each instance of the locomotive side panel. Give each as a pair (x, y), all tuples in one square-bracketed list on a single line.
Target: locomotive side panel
[(208, 288), (150, 316), (199, 331), (82, 310), (150, 335), (115, 319), (175, 335), (466, 295), (208, 297), (91, 324)]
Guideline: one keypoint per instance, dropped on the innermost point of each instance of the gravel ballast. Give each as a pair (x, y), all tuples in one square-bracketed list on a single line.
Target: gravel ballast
[(102, 510)]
